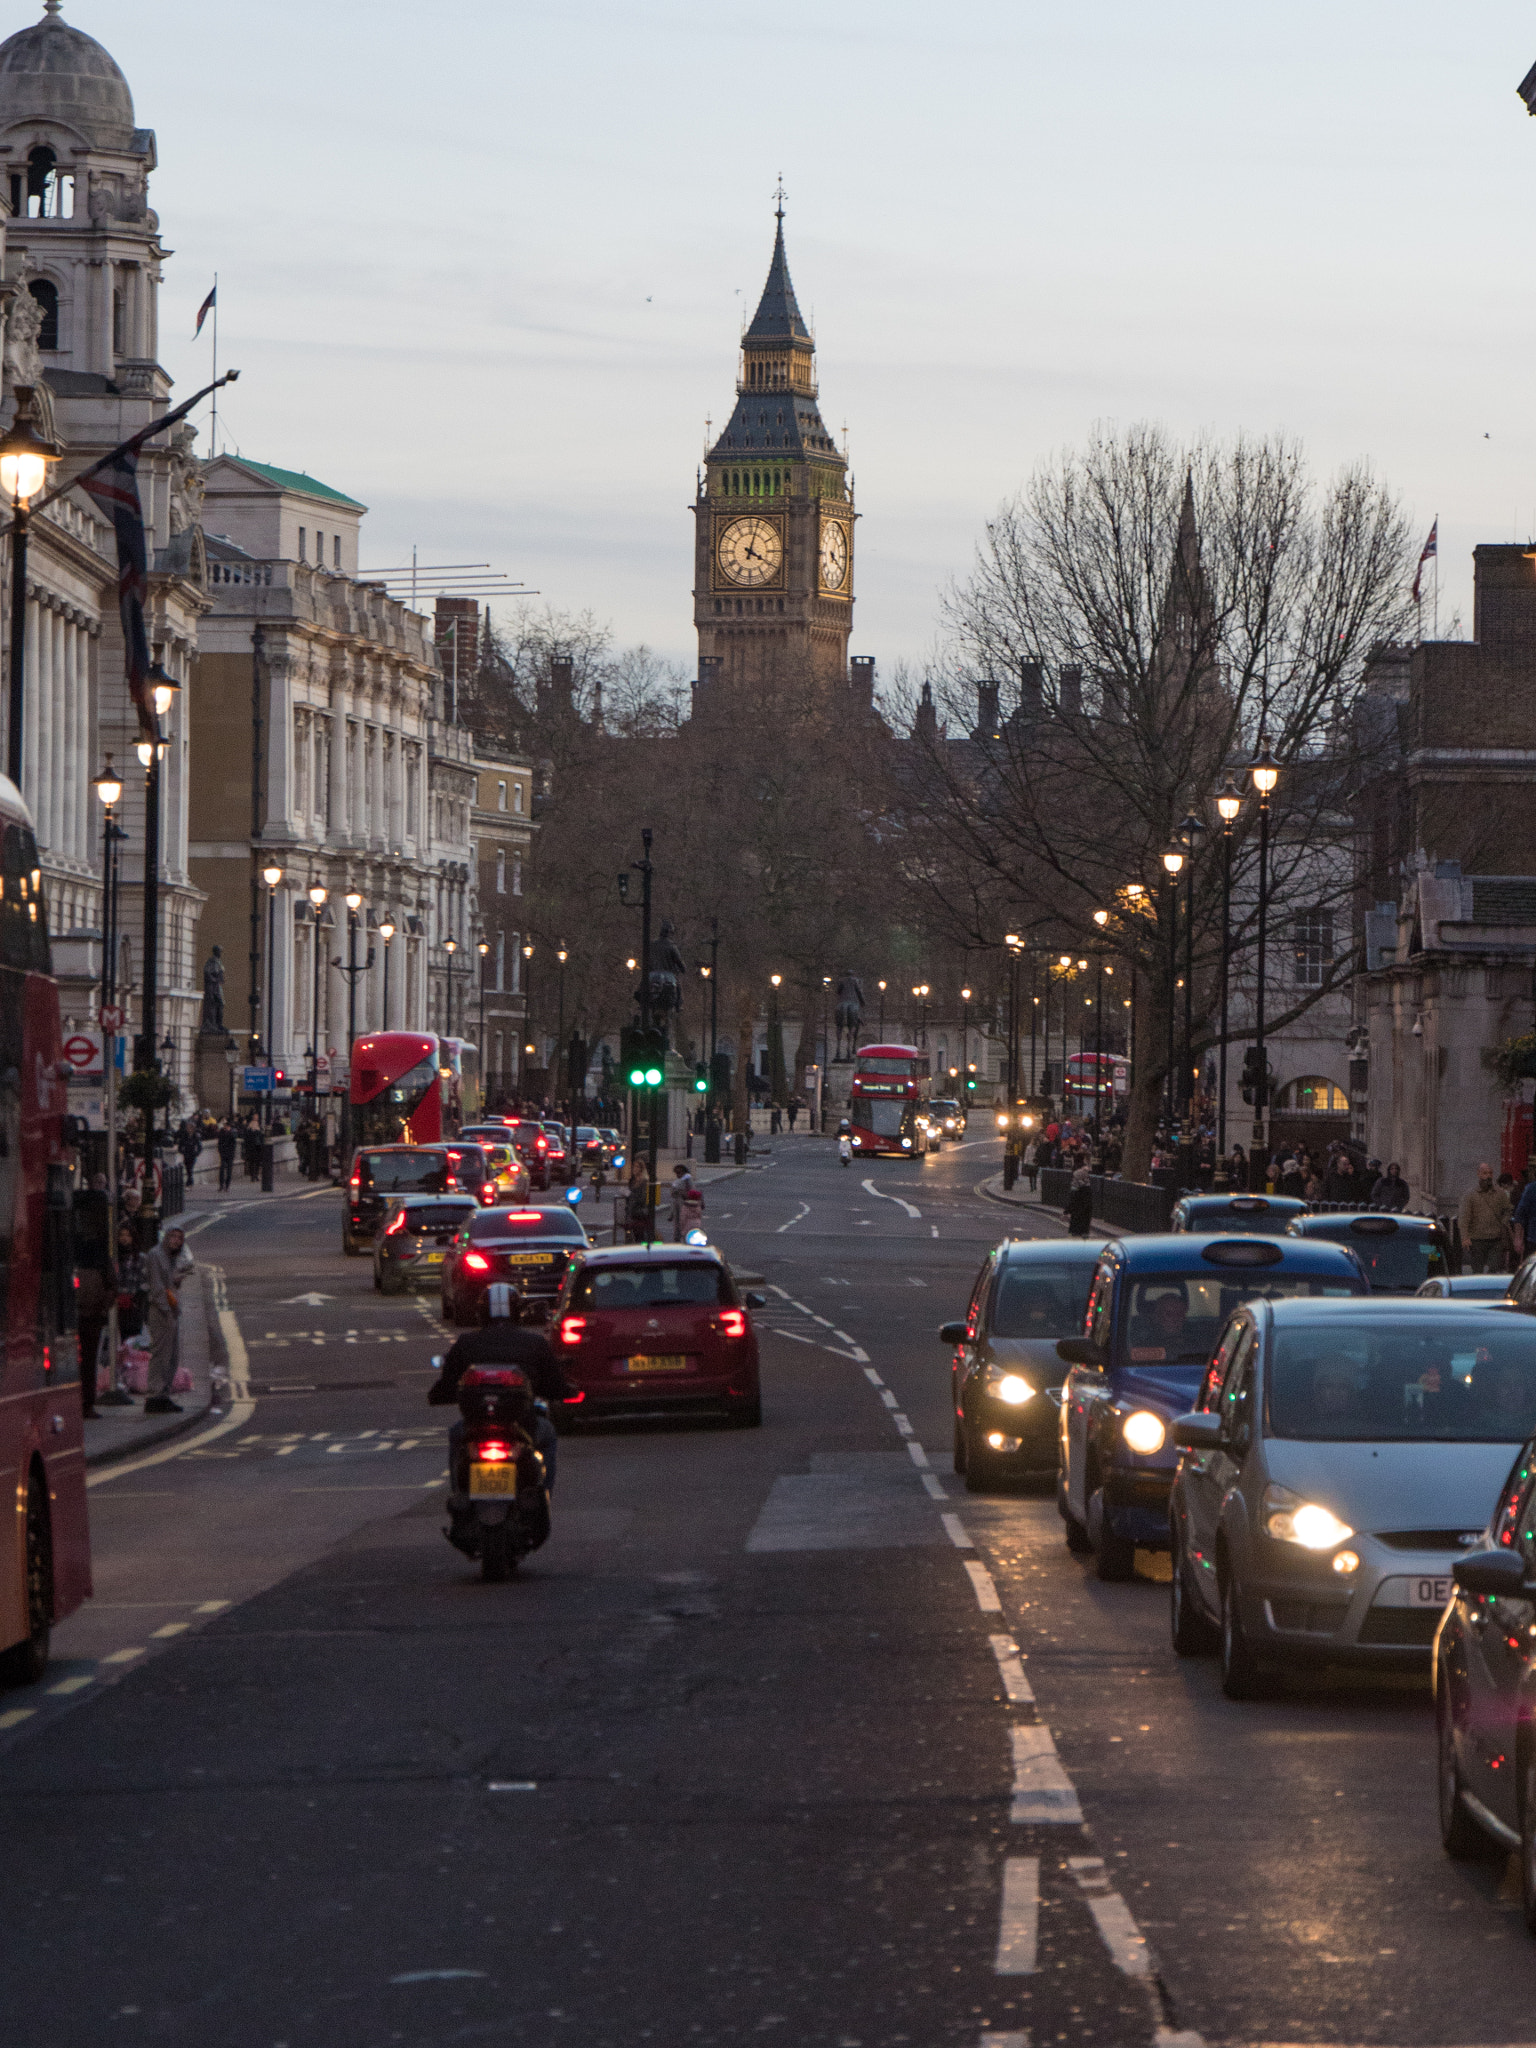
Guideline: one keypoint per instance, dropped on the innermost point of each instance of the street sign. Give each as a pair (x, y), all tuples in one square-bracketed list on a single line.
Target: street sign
[(110, 1016), (82, 1053), (256, 1080)]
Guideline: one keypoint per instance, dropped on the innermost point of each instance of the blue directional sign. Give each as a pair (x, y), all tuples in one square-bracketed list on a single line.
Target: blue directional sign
[(256, 1081)]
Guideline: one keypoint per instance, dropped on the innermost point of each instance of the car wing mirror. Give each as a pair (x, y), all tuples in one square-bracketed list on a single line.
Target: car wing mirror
[(1198, 1432), (951, 1333), (757, 1301), (1490, 1571), (1079, 1351)]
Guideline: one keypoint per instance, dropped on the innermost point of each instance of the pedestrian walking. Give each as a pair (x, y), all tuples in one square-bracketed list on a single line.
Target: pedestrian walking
[(775, 1121), (794, 1110), (1080, 1203), (227, 1145), (1292, 1180), (1031, 1163), (1343, 1183), (189, 1144), (1486, 1214), (1391, 1190), (251, 1147), (164, 1268), (687, 1202), (637, 1208)]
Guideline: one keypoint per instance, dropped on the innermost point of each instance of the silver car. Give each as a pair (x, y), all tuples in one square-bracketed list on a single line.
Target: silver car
[(1342, 1455)]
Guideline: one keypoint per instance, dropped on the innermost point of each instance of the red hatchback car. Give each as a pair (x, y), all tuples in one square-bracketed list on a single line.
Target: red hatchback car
[(653, 1329)]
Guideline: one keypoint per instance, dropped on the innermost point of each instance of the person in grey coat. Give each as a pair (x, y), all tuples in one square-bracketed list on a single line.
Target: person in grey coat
[(164, 1265)]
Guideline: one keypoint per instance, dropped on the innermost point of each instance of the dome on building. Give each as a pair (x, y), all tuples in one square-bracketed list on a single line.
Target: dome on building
[(53, 72)]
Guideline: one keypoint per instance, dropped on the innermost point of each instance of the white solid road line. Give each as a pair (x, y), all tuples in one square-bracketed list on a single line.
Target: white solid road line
[(882, 1197), (954, 1528), (1018, 1929), (983, 1587), (805, 1210), (1042, 1791), (1018, 1688)]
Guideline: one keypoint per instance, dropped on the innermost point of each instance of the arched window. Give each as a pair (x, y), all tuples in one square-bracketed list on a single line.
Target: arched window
[(1312, 1095), (47, 297), (49, 194)]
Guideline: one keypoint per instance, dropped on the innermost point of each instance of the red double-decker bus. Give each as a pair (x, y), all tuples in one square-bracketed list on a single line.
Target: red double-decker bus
[(1097, 1083), (404, 1088), (45, 1557), (890, 1084)]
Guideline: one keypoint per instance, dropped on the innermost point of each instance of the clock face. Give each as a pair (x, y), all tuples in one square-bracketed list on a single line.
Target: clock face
[(750, 552), (834, 554)]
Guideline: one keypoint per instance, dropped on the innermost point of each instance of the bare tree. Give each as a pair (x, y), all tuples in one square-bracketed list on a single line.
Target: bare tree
[(1140, 619)]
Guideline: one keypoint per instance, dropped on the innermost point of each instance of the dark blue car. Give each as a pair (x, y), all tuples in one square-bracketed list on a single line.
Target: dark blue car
[(1155, 1314)]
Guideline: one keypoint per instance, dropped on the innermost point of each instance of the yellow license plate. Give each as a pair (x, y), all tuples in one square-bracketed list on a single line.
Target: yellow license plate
[(671, 1364), (530, 1258), (434, 1258), (493, 1479)]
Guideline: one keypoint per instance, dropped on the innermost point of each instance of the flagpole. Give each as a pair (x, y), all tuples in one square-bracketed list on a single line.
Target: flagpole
[(213, 429)]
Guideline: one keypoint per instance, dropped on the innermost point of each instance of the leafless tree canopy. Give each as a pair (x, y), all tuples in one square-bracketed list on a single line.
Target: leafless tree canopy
[(1144, 613)]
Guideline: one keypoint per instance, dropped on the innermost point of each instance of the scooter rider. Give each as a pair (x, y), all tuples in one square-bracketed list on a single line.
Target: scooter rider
[(500, 1341), (845, 1142)]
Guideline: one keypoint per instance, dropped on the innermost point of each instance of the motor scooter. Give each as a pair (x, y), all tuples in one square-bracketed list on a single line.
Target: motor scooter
[(498, 1505), (845, 1144)]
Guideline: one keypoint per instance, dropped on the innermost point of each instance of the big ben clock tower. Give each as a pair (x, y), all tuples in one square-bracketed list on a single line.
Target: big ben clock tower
[(773, 553)]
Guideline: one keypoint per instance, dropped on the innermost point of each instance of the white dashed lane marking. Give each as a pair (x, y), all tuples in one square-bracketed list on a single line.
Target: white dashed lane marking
[(955, 1529), (1011, 1666), (1018, 1930), (1042, 1791), (984, 1588)]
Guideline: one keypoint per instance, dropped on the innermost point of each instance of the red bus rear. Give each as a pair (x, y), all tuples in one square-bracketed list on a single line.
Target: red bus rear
[(889, 1084), (45, 1561), (402, 1090)]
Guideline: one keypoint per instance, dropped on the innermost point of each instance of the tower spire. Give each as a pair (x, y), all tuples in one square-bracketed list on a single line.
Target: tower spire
[(778, 315)]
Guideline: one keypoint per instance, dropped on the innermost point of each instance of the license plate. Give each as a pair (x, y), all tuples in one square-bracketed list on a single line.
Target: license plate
[(492, 1479), (673, 1363), (434, 1258), (529, 1259), (1430, 1592)]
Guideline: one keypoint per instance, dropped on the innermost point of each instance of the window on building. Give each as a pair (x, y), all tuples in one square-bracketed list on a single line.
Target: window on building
[(1312, 1095), (335, 550), (1313, 947), (49, 193), (501, 796), (517, 874), (517, 963), (319, 549), (47, 297), (517, 796), (501, 960), (303, 545), (501, 871), (119, 324)]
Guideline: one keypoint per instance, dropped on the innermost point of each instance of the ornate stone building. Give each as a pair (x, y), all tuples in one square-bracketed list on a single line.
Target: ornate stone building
[(82, 271)]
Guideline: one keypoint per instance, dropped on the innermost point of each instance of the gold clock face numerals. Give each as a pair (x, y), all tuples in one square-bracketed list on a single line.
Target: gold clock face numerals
[(750, 552), (834, 555)]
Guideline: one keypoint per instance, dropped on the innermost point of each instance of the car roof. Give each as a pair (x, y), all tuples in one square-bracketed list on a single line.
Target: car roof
[(1334, 1219), (410, 1201), (654, 1255), (1243, 1205), (1491, 1315), (1172, 1252), (1029, 1251)]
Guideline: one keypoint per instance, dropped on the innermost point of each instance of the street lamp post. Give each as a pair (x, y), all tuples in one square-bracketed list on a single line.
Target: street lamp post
[(1190, 829), (272, 875), (1173, 862), (450, 947), (1265, 776), (881, 986), (1015, 944), (317, 895), (24, 460), (1101, 919), (562, 955), (529, 1044), (1228, 804), (646, 870), (386, 933), (352, 970), (109, 788), (482, 947), (965, 1040)]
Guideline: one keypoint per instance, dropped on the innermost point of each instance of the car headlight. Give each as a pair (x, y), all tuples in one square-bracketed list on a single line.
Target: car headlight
[(1009, 1387), (906, 1144), (1144, 1432), (1290, 1519)]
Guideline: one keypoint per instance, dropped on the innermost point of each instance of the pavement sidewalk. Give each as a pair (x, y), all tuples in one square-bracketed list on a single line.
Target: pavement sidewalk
[(1020, 1197), (114, 1433)]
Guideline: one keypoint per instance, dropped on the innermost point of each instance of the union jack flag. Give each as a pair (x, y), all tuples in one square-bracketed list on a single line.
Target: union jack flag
[(1431, 549)]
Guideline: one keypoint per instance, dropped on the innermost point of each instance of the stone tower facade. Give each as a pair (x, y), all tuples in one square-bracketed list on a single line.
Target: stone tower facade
[(774, 516)]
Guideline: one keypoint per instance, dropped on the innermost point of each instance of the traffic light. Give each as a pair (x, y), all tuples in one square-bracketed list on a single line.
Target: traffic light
[(701, 1079), (643, 1055), (970, 1081), (1250, 1073)]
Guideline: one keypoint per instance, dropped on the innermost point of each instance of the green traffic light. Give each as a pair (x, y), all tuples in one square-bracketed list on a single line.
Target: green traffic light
[(637, 1077), (653, 1077)]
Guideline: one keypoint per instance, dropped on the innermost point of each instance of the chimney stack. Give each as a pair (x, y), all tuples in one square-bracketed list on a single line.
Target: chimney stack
[(987, 722), (862, 671)]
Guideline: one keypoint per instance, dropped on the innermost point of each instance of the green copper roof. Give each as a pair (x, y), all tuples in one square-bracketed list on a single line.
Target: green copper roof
[(297, 480)]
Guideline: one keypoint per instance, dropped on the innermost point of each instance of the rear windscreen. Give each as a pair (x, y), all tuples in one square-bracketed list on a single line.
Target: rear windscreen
[(616, 1287), (1222, 1222), (420, 1173), (1040, 1300), (1405, 1259), (1439, 1377), (441, 1216), (1176, 1318), (492, 1224)]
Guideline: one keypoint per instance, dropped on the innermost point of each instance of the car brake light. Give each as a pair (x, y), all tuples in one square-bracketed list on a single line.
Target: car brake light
[(572, 1329), (524, 1216), (394, 1229), (733, 1322), (492, 1451), (477, 1262), (356, 1181), (488, 1193), (450, 1180), (572, 1399), (541, 1144)]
